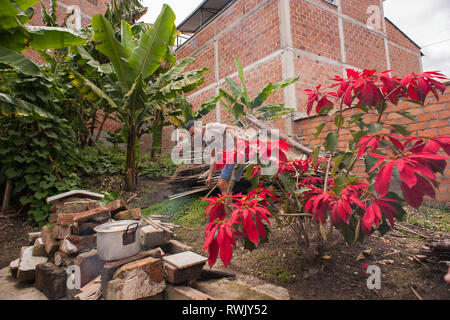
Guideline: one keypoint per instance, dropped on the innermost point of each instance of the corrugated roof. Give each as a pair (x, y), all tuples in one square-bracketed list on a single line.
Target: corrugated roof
[(201, 15)]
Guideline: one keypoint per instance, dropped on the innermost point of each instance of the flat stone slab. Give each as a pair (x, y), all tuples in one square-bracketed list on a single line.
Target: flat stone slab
[(185, 259), (226, 289), (78, 193), (11, 289)]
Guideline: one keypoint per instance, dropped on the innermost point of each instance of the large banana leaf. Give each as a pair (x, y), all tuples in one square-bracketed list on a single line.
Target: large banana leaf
[(146, 57), (9, 13), (80, 82), (113, 49), (10, 105), (177, 70), (42, 38), (241, 77), (207, 106), (188, 82), (18, 61)]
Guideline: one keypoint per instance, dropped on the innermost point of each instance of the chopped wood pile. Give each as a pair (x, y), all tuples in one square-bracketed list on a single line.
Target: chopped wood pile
[(63, 260)]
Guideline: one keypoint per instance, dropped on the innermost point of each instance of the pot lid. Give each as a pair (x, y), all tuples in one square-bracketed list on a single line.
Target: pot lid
[(116, 226)]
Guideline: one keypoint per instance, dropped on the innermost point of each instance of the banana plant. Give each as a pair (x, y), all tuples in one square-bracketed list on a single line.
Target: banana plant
[(15, 37), (168, 104), (133, 64), (238, 102)]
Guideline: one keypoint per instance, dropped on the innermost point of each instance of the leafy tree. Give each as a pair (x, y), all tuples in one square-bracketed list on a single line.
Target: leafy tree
[(132, 63), (16, 37)]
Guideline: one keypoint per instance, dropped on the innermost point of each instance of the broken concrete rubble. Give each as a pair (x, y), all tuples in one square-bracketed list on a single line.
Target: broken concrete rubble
[(32, 236), (50, 243), (136, 280), (13, 267), (39, 248), (150, 275), (27, 264)]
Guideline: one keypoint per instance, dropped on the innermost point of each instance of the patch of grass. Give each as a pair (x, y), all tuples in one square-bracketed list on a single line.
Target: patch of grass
[(435, 217), (187, 211)]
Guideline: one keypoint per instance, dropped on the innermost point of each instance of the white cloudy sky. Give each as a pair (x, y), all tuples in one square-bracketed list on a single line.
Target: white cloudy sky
[(426, 22)]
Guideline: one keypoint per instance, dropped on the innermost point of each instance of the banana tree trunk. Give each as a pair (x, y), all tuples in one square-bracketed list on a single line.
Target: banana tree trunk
[(157, 127), (130, 167)]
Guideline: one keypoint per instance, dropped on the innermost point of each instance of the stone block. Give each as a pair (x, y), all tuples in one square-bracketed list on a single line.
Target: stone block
[(51, 280), (175, 246), (152, 237), (184, 293), (90, 266), (175, 275)]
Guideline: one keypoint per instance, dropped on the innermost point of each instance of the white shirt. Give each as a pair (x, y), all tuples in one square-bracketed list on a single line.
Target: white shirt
[(214, 135)]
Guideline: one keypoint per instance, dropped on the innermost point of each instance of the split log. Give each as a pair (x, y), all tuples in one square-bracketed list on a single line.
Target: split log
[(91, 291)]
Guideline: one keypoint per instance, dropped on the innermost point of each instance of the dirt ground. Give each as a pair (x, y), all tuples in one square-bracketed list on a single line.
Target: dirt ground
[(13, 235), (340, 275)]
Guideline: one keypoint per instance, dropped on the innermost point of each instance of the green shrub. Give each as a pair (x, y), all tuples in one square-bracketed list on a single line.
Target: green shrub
[(158, 169)]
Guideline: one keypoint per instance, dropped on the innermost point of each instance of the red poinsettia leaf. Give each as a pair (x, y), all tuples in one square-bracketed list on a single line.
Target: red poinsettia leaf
[(210, 237), (407, 173), (250, 229), (383, 178), (226, 252), (411, 196), (367, 221), (213, 252)]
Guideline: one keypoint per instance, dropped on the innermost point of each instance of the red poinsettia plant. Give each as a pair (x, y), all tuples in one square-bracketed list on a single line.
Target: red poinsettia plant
[(322, 192)]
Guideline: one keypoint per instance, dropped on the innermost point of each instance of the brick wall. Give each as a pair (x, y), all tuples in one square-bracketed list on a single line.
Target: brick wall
[(310, 38), (433, 119), (88, 8)]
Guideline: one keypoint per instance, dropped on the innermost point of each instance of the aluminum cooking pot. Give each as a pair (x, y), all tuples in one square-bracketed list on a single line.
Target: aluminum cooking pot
[(117, 240)]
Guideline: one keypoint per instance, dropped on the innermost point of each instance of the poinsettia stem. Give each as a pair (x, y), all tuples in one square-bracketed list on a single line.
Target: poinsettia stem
[(381, 111), (327, 172)]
